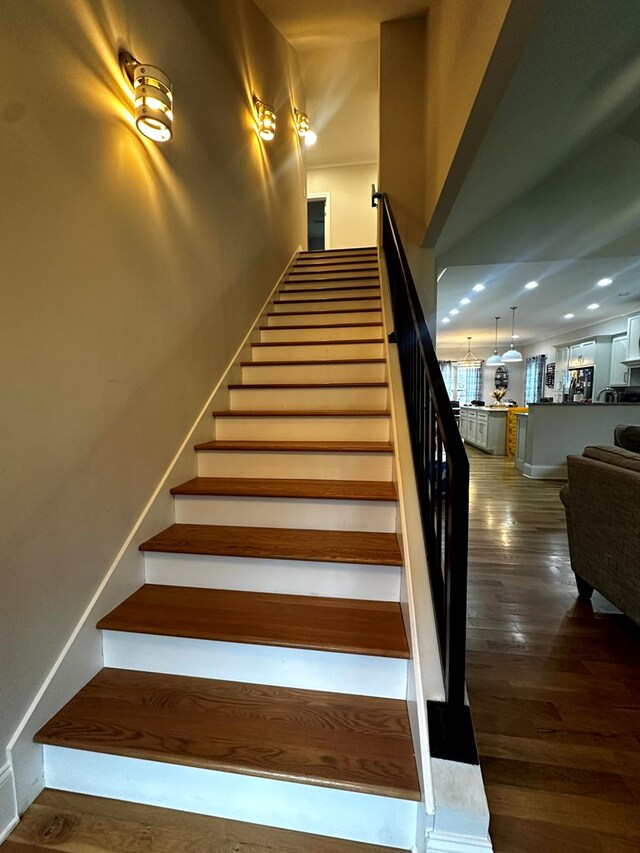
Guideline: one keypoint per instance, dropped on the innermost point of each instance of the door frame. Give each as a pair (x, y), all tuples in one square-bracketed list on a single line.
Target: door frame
[(327, 215)]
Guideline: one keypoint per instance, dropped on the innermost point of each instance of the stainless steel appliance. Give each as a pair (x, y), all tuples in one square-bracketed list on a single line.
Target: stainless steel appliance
[(580, 385)]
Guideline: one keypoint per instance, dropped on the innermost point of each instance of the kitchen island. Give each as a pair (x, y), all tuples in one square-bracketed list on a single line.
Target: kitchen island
[(557, 430), (485, 428)]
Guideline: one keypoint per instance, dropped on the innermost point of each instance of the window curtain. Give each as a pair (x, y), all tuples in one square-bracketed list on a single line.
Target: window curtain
[(447, 374), (469, 384), (534, 379)]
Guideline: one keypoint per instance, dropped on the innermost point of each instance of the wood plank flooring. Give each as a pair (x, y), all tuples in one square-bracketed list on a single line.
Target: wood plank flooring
[(553, 680), (334, 740), (75, 823)]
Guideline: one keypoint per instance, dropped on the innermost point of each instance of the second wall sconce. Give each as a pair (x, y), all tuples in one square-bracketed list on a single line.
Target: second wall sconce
[(302, 122), (153, 98), (266, 117)]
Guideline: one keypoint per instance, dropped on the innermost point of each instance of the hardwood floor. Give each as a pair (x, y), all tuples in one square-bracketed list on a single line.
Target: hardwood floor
[(553, 680), (75, 823)]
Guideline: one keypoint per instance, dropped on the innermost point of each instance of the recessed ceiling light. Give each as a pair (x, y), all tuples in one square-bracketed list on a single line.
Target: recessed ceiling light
[(515, 337), (465, 301), (569, 316), (478, 287), (604, 282), (531, 285), (593, 306), (446, 320), (454, 311)]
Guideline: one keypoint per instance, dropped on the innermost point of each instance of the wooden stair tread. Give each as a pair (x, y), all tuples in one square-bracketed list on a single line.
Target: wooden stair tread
[(361, 490), (356, 743), (324, 546), (331, 311), (265, 385), (318, 343), (307, 361), (322, 326), (301, 413), (327, 299), (294, 446), (258, 618)]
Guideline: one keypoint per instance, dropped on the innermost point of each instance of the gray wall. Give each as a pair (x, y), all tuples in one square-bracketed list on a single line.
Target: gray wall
[(130, 274)]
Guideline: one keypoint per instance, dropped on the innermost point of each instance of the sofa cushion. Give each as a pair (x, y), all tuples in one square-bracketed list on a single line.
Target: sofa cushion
[(628, 437), (614, 456)]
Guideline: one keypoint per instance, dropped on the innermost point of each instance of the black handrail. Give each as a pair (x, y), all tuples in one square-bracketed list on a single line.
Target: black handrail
[(442, 474)]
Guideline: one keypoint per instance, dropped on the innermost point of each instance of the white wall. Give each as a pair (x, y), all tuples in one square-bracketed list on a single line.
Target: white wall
[(353, 221), (130, 274)]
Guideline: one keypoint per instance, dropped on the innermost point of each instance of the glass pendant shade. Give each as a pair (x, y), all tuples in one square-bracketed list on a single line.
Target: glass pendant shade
[(495, 360), (511, 356)]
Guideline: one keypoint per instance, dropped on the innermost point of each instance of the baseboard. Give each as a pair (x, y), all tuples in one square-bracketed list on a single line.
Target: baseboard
[(439, 842), (81, 657), (8, 807), (545, 472)]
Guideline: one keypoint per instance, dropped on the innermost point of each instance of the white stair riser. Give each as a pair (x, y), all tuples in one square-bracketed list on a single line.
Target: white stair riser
[(314, 373), (339, 292), (305, 465), (316, 352), (288, 428), (348, 271), (281, 577), (306, 513), (355, 397), (361, 675), (288, 805), (321, 318), (332, 333), (316, 305), (332, 275)]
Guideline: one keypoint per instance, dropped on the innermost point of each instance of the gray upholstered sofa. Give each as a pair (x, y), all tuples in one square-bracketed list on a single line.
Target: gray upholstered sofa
[(602, 503)]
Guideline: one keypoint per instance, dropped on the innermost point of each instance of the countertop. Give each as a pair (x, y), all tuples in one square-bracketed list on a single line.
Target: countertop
[(583, 405)]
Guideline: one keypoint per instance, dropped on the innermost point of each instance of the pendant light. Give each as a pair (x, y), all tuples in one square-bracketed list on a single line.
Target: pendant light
[(495, 360), (511, 356), (468, 359)]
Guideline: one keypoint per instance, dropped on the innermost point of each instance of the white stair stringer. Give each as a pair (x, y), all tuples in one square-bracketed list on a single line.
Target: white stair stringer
[(271, 802)]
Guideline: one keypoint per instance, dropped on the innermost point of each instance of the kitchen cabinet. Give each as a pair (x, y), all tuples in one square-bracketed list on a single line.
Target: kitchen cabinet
[(633, 342), (562, 365), (582, 355), (484, 428), (620, 373)]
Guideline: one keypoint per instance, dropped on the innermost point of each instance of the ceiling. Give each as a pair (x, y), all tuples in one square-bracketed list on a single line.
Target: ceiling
[(554, 192), (308, 25)]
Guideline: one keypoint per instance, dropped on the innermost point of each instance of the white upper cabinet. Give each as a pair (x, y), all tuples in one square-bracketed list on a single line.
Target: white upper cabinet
[(633, 340), (582, 355), (620, 373)]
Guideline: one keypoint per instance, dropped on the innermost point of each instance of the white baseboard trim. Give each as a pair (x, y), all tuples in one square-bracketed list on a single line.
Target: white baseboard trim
[(81, 657), (439, 842), (545, 472), (8, 807)]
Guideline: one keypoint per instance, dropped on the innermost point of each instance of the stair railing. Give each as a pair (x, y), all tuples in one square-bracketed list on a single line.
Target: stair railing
[(442, 475)]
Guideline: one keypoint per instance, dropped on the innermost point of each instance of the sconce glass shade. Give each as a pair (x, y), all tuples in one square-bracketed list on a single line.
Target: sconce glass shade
[(153, 98), (266, 116), (302, 122), (311, 137)]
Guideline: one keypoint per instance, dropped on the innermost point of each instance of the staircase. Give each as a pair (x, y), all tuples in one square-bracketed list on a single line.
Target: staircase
[(260, 673)]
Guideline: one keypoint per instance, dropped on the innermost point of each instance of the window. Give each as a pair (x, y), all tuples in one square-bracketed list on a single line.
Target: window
[(447, 375), (469, 384), (534, 379)]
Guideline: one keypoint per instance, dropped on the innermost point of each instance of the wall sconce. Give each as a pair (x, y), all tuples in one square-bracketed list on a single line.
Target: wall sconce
[(266, 117), (153, 98), (302, 122)]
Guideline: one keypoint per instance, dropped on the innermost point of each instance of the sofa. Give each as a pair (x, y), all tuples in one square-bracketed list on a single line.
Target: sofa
[(602, 505)]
